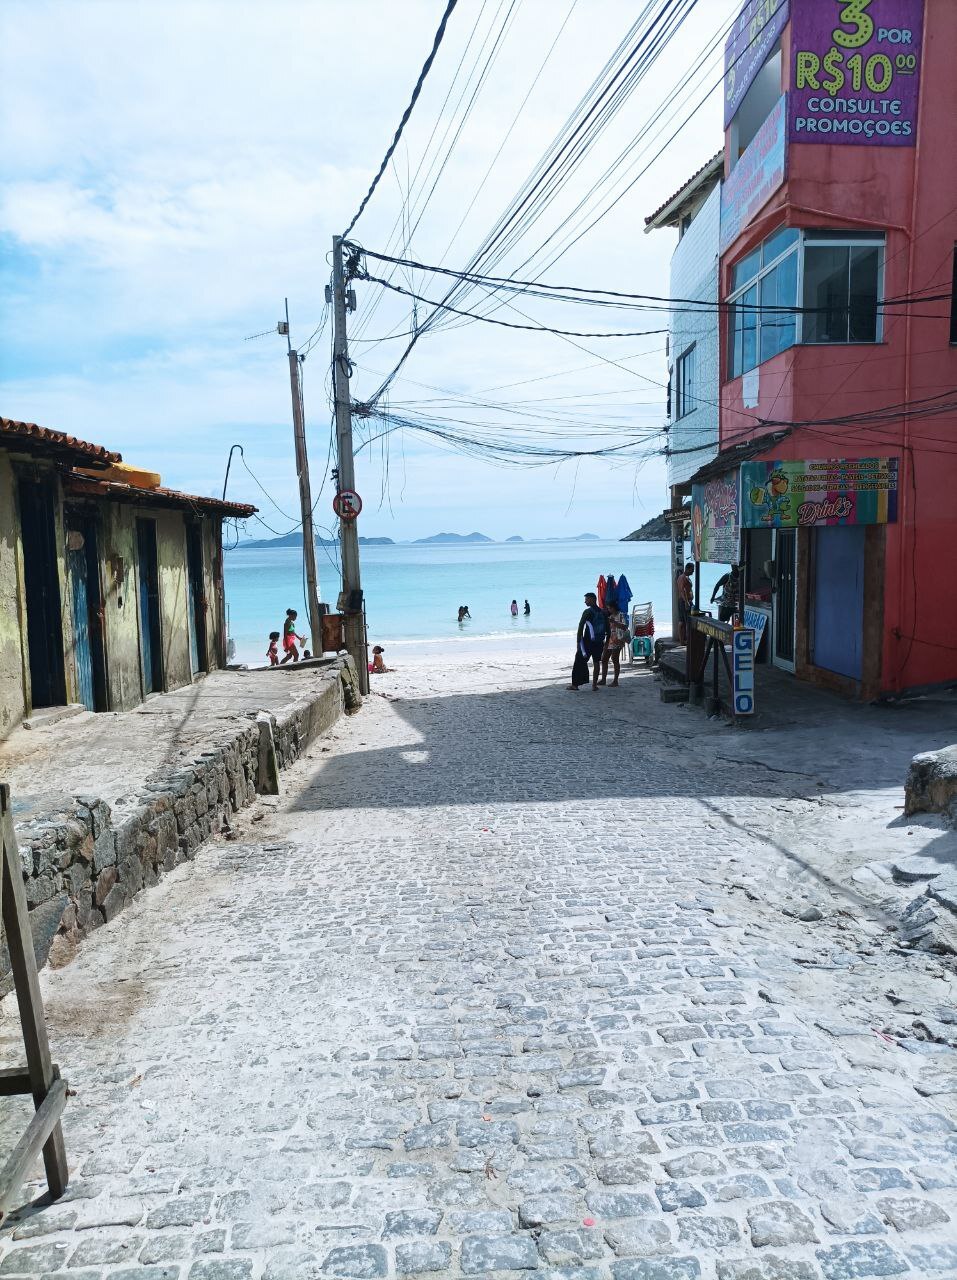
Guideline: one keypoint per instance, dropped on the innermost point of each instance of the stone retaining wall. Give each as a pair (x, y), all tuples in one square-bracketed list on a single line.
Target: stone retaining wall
[(83, 862)]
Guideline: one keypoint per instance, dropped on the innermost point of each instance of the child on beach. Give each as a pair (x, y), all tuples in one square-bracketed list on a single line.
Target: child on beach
[(272, 653), (377, 665), (289, 637)]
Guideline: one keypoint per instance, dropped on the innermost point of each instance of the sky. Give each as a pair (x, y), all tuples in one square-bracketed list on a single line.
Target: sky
[(171, 170)]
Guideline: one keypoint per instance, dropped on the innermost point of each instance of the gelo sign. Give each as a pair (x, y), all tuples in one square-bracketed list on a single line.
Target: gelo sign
[(855, 71), (742, 670)]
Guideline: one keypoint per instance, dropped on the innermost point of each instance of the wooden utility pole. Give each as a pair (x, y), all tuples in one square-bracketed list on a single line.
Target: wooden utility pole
[(305, 498), (351, 602)]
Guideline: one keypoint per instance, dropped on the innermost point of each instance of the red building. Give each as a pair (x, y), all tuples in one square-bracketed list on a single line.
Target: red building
[(838, 367)]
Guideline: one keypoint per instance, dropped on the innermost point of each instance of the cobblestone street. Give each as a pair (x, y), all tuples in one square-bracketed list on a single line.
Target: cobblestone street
[(495, 988)]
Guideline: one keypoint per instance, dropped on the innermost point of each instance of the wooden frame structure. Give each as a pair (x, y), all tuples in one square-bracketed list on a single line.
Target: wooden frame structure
[(40, 1077)]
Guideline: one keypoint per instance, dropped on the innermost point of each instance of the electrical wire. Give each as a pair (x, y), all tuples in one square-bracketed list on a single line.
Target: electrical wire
[(426, 67)]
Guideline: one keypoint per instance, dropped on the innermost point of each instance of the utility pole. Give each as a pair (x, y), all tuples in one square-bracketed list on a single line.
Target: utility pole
[(351, 602), (305, 497)]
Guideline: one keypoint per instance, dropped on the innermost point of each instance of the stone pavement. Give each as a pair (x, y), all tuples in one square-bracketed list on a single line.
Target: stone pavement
[(483, 996)]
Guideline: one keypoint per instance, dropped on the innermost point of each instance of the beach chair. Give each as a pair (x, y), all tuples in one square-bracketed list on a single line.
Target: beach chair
[(642, 633)]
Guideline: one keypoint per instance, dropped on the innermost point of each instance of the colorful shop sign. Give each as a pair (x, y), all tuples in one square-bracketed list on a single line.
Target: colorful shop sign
[(715, 528), (785, 495), (752, 37), (855, 72), (757, 175)]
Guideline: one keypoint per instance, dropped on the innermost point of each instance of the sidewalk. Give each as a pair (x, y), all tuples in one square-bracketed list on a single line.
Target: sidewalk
[(105, 803), (504, 985)]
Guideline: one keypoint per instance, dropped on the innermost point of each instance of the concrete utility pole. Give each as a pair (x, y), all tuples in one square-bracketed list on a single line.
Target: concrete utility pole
[(351, 602), (305, 498)]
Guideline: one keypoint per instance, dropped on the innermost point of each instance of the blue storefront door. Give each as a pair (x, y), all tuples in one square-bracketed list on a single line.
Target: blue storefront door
[(838, 609)]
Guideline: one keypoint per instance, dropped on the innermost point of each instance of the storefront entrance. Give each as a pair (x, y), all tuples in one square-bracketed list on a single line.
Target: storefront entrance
[(784, 610), (837, 610)]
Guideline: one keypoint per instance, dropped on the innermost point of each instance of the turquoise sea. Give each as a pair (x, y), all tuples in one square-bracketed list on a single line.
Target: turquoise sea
[(413, 592)]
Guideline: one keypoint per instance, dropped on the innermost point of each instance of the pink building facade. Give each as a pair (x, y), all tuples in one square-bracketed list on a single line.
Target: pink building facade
[(838, 364)]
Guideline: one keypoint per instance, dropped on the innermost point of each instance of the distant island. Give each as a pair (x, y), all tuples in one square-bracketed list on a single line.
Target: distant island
[(454, 537), (656, 529), (437, 539), (295, 540)]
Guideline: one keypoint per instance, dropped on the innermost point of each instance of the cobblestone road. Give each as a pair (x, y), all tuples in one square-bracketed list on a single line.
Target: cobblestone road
[(480, 997)]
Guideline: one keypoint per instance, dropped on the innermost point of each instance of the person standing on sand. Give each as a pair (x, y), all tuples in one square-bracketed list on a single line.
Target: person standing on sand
[(592, 631), (617, 631)]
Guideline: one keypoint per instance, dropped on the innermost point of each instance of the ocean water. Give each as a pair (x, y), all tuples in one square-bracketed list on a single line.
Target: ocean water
[(413, 592)]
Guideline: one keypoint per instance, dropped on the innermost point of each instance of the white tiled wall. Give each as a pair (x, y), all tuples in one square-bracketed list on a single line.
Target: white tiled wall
[(694, 274)]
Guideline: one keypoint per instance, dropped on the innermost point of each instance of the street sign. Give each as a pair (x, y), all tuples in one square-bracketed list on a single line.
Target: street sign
[(742, 665), (347, 504)]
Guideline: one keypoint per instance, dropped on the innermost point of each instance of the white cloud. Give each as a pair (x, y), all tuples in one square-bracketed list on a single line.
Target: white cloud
[(172, 169)]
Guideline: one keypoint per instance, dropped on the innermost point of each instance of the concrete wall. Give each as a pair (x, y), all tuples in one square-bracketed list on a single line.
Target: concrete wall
[(694, 274), (12, 697)]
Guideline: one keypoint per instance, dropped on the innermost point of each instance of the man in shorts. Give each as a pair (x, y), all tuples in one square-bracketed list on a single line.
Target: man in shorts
[(592, 633)]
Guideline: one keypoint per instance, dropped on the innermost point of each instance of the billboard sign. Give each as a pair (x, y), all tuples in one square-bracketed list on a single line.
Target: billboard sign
[(715, 524), (755, 30), (792, 494), (757, 175), (855, 72)]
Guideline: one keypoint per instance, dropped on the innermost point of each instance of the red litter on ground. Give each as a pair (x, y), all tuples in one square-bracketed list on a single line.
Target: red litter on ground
[(588, 1222)]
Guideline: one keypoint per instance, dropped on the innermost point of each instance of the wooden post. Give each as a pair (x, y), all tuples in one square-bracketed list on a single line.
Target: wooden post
[(41, 1077)]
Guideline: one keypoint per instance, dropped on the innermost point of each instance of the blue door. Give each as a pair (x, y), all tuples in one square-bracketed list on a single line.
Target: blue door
[(83, 650), (838, 614)]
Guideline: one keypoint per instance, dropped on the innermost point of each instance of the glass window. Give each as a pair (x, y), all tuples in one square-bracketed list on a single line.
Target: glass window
[(778, 289), (745, 270), (775, 245), (684, 383), (865, 274), (841, 286)]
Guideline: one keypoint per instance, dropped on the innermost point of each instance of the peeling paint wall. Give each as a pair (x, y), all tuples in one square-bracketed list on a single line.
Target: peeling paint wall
[(118, 557), (174, 595), (12, 697)]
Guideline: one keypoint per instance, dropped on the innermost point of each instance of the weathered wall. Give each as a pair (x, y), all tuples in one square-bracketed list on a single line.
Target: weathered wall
[(174, 599), (12, 698), (122, 628), (212, 571)]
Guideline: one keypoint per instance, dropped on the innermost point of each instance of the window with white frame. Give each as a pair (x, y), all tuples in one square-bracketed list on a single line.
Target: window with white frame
[(835, 275), (684, 383)]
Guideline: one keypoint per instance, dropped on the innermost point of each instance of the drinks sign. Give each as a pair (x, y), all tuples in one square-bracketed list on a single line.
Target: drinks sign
[(792, 494), (855, 71)]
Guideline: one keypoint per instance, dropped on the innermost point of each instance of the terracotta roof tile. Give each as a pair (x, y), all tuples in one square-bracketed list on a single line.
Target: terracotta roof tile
[(88, 486), (43, 439), (685, 187)]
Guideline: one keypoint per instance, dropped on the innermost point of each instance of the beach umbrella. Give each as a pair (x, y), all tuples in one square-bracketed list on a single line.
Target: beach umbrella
[(625, 594)]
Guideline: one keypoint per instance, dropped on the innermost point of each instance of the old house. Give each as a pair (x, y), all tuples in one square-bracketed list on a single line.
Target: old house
[(111, 586)]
